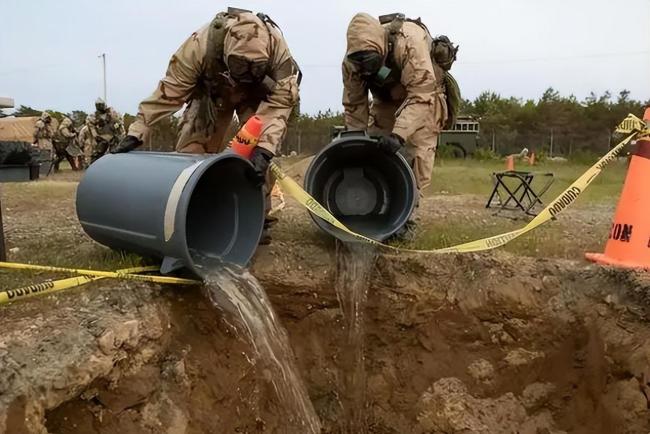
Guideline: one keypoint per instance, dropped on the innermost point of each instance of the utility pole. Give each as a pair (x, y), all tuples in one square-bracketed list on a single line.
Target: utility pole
[(299, 141), (103, 56), (609, 140)]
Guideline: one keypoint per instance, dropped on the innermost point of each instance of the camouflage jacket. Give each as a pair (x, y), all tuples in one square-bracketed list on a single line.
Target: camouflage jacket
[(86, 137), (65, 133), (190, 70), (108, 125), (43, 134), (43, 131)]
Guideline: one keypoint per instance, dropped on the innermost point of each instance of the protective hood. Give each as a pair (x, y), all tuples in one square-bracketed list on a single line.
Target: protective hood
[(247, 37), (366, 33)]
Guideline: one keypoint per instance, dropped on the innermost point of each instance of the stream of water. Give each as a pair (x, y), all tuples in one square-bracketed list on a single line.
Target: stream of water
[(354, 263), (238, 292)]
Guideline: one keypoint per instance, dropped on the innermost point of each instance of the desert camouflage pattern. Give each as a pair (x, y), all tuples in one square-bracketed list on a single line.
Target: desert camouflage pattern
[(108, 129), (86, 139), (212, 100), (44, 132), (64, 144), (66, 132), (412, 106)]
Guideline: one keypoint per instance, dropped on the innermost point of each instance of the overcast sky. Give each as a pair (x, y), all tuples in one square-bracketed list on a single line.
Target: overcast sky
[(49, 49)]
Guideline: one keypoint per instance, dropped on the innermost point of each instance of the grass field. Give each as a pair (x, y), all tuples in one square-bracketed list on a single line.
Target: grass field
[(582, 227), (474, 177), (41, 225)]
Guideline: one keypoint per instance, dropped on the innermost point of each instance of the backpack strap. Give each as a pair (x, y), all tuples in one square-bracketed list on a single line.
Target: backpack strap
[(214, 63), (289, 67), (395, 22)]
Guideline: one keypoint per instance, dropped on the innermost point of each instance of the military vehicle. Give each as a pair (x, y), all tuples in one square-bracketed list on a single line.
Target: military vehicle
[(461, 141)]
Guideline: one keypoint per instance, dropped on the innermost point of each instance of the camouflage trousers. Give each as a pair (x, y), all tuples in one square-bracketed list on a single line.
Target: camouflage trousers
[(61, 154), (421, 146)]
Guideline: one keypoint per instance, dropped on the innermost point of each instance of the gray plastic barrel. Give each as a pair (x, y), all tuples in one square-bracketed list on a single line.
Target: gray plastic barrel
[(370, 191), (183, 208)]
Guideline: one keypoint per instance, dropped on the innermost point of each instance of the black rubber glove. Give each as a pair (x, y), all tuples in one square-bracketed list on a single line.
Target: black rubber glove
[(390, 143), (127, 144), (261, 158)]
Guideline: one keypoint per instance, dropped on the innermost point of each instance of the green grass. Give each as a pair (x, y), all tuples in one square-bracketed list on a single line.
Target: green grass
[(474, 177), (40, 222), (554, 239), (566, 237)]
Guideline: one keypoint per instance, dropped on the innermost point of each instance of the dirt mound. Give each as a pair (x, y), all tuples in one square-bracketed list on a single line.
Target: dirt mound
[(455, 344)]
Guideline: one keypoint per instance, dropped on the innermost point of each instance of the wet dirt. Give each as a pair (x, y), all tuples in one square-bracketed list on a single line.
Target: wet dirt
[(454, 344), (477, 343)]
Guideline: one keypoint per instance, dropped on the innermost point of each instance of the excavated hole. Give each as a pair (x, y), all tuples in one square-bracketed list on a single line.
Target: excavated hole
[(483, 344)]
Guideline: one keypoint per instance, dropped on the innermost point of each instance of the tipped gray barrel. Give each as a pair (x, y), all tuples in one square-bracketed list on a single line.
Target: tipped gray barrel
[(370, 191), (183, 208)]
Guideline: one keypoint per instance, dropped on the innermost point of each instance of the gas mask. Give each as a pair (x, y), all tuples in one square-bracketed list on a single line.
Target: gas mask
[(370, 65), (246, 71), (367, 63)]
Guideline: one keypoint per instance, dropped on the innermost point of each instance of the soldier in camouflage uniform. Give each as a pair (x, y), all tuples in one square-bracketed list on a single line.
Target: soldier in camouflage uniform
[(403, 68), (86, 140), (108, 127), (44, 132), (64, 139), (239, 63)]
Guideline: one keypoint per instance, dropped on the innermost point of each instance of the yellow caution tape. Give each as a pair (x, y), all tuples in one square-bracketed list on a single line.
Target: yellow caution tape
[(631, 124), (558, 205), (50, 286), (96, 273)]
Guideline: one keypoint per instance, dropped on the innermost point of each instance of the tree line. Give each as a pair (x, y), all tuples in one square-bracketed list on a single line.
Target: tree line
[(553, 124)]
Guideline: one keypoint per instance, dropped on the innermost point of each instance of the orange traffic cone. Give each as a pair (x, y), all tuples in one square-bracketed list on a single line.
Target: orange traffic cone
[(510, 163), (247, 137), (629, 238)]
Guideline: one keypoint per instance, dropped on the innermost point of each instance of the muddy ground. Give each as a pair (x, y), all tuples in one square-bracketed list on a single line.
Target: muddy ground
[(476, 343)]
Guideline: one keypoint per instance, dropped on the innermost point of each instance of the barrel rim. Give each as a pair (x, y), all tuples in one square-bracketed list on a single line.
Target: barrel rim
[(362, 137)]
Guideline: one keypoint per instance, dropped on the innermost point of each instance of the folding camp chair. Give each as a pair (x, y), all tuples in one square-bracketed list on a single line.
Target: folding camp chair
[(516, 188)]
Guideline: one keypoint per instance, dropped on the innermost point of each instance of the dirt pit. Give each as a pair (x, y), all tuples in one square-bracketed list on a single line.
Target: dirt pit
[(484, 343)]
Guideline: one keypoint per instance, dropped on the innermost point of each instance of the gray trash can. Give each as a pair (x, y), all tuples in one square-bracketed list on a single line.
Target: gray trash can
[(183, 208), (370, 191)]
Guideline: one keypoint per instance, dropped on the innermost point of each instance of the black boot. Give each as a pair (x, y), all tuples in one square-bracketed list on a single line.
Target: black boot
[(269, 221), (406, 232)]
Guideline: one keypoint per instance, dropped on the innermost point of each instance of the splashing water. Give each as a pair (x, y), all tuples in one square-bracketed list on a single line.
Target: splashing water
[(236, 291), (354, 262)]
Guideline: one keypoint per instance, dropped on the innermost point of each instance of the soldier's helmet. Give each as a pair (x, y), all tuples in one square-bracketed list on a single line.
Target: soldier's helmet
[(100, 105), (66, 122), (444, 52), (90, 119), (45, 117)]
